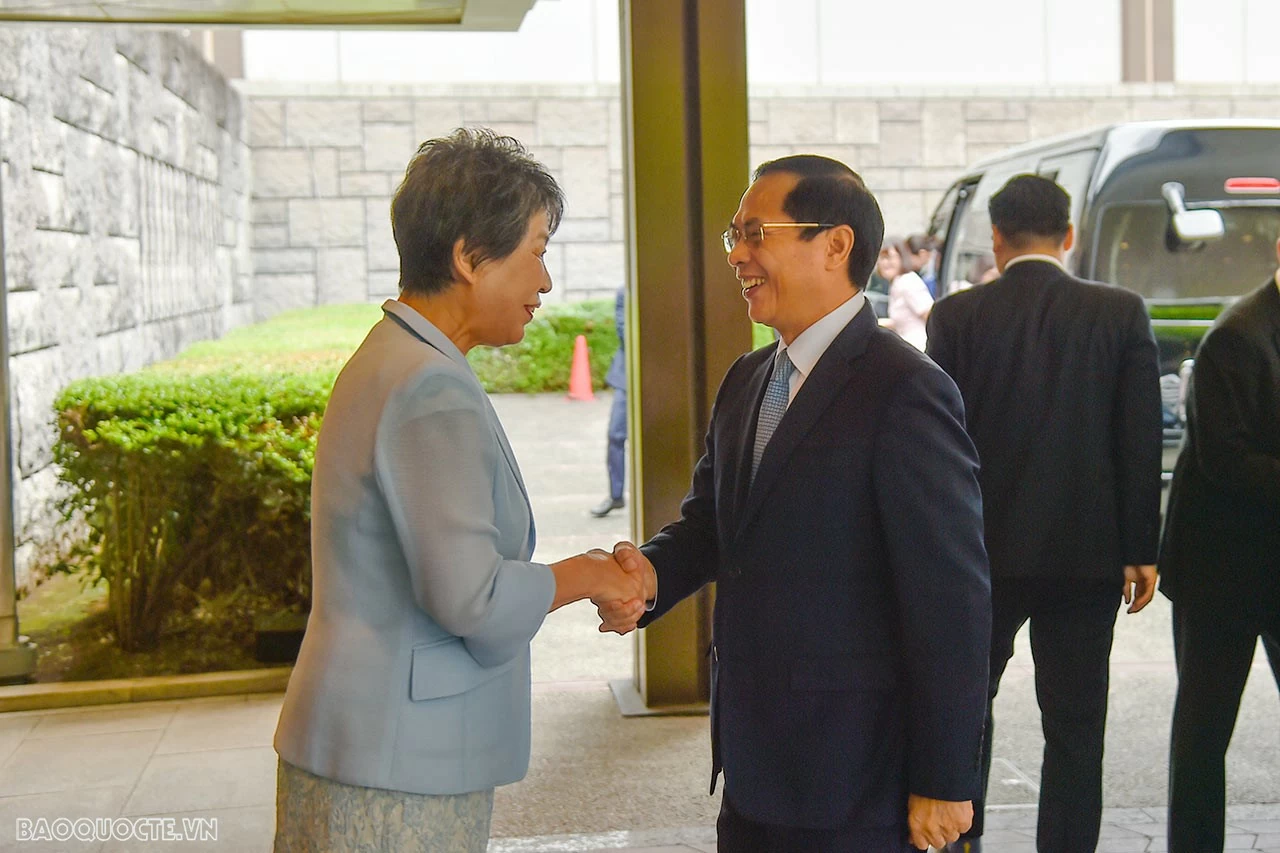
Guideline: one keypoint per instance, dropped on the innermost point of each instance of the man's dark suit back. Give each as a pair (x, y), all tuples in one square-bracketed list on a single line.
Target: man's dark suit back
[(1060, 381), (1222, 538)]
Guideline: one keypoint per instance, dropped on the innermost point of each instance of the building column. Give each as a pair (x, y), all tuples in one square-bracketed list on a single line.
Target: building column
[(1146, 37), (684, 84)]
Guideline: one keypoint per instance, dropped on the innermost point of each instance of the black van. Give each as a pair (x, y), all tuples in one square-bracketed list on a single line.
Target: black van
[(1185, 213)]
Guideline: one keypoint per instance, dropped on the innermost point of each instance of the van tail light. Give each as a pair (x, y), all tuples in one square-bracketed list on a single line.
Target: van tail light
[(1262, 186)]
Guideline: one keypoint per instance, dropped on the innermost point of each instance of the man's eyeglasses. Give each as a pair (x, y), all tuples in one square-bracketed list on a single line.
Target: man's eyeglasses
[(754, 235)]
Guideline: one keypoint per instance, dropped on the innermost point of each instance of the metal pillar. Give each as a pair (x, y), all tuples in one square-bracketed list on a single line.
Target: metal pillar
[(684, 82), (17, 654)]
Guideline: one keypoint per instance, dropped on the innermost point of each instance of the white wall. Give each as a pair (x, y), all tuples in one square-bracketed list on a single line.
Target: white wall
[(804, 42), (1227, 41)]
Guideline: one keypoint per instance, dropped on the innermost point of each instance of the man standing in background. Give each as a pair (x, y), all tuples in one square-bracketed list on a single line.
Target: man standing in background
[(616, 378), (1061, 389), (1221, 554)]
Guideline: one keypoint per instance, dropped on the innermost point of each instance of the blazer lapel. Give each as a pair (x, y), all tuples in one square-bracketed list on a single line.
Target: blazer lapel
[(820, 388)]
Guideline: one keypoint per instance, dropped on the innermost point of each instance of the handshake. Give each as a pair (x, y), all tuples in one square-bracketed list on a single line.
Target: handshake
[(620, 585)]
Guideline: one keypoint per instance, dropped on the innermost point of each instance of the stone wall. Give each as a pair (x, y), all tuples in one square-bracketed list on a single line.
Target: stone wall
[(327, 158), (126, 232)]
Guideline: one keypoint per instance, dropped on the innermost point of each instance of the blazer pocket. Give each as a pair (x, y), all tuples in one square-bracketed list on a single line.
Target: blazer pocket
[(840, 674), (446, 668)]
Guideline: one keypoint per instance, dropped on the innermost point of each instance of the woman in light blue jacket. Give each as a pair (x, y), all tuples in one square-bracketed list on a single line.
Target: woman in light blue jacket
[(410, 698)]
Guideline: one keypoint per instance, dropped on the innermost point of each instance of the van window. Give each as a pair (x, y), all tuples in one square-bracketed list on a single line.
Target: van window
[(1072, 172), (1134, 250)]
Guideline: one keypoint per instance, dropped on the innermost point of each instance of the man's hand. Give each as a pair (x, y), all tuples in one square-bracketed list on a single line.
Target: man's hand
[(1139, 586), (621, 616), (936, 823)]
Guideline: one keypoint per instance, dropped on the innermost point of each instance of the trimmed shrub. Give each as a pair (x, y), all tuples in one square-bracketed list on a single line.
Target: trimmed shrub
[(199, 485)]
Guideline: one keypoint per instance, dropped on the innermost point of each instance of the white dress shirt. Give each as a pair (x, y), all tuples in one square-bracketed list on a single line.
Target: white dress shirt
[(810, 344), (1048, 259)]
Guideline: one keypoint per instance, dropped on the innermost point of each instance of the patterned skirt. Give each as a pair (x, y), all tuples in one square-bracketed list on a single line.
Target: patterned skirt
[(317, 815)]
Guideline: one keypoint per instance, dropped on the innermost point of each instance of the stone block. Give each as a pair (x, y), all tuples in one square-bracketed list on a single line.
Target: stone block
[(942, 127), (48, 144), (524, 133), (984, 110), (282, 173), (901, 109), (341, 276), (31, 325), (397, 110), (904, 211), (934, 178), (35, 380), (324, 169), (616, 139), (383, 285), (976, 151), (266, 122), (284, 260), (1211, 108), (273, 212), (388, 147), (901, 143), (797, 122), (434, 118), (276, 292), (351, 159), (36, 515), (593, 266), (1255, 107), (379, 241), (16, 70), (1105, 111), (270, 236), (551, 157), (1007, 132), (1051, 117), (364, 184), (572, 121), (585, 181), (879, 179), (847, 154), (1156, 109), (51, 202), (857, 122), (320, 121), (584, 231), (617, 218), (519, 110), (326, 223)]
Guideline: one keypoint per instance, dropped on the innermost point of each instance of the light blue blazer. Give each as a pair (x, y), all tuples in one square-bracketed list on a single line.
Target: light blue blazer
[(414, 672)]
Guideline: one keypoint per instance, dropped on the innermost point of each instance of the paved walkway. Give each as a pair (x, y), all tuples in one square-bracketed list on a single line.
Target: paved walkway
[(597, 781)]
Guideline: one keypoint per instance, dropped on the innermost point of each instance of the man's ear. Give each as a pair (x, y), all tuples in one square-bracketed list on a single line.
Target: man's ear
[(464, 265), (1069, 240), (997, 241), (840, 240)]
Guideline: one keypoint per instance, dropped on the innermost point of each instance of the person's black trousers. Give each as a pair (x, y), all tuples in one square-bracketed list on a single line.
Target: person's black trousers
[(1214, 650), (1072, 623)]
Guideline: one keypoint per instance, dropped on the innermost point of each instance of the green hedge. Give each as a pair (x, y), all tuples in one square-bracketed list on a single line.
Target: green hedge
[(193, 476)]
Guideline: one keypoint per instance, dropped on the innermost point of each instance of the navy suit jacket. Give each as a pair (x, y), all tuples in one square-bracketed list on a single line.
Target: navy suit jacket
[(852, 622)]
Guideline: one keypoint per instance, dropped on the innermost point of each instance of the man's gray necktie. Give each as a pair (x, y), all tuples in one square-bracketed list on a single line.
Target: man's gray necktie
[(772, 407)]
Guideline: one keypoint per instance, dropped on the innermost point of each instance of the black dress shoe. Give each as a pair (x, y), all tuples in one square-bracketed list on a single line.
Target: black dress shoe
[(964, 845), (607, 506)]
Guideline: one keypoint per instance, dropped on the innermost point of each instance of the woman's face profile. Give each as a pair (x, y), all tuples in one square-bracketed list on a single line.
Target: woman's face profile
[(509, 290)]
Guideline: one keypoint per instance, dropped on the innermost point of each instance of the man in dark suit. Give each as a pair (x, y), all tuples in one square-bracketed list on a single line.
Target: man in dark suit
[(1061, 388), (616, 378), (1221, 553), (837, 508)]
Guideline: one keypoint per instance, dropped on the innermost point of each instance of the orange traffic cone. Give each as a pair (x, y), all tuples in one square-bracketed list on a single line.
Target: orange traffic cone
[(580, 372)]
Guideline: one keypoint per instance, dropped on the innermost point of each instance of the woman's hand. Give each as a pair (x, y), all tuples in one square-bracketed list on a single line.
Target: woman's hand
[(598, 576)]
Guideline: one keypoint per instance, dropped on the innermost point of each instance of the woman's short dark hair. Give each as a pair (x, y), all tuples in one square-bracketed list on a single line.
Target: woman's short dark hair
[(472, 185), (831, 192), (1030, 207)]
